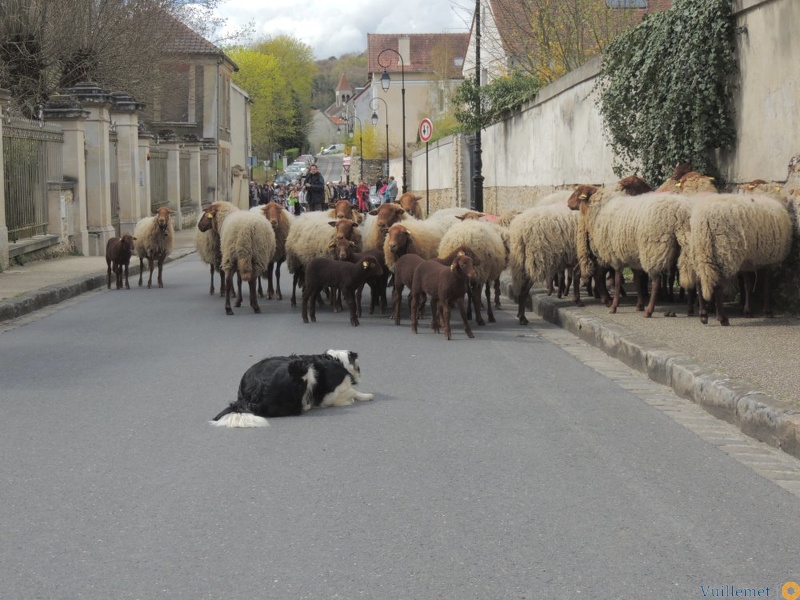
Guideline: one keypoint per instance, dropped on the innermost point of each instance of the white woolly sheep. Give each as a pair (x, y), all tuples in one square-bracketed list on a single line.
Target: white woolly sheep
[(542, 245), (736, 232), (155, 237), (281, 222), (415, 237), (207, 241), (248, 244), (640, 232), (485, 240)]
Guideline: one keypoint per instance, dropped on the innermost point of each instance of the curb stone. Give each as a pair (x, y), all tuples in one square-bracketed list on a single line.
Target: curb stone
[(32, 301), (754, 412)]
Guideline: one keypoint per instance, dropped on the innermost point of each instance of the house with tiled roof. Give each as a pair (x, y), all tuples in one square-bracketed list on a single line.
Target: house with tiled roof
[(196, 104), (426, 65)]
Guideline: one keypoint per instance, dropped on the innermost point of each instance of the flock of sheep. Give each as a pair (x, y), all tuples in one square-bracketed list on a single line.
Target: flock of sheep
[(588, 232)]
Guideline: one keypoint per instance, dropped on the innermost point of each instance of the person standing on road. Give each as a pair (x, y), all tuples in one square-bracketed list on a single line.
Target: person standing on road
[(391, 190), (362, 196), (315, 189)]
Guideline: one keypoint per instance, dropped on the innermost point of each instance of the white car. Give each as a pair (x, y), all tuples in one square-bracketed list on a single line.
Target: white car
[(333, 149)]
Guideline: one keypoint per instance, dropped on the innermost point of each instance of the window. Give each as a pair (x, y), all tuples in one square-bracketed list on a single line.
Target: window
[(626, 3)]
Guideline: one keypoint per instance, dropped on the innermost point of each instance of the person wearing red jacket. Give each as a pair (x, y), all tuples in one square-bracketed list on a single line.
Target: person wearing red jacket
[(362, 195)]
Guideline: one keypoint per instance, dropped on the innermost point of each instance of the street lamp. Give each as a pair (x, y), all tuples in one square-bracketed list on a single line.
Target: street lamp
[(477, 163), (385, 81), (375, 123), (360, 145)]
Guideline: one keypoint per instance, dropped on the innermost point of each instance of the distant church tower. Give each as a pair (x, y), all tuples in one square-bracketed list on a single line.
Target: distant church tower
[(344, 91)]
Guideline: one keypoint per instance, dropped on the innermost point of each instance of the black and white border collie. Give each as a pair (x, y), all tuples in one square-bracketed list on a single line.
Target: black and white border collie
[(284, 386)]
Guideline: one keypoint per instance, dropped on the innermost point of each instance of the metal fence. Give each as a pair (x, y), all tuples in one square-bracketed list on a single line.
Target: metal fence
[(31, 159), (158, 178)]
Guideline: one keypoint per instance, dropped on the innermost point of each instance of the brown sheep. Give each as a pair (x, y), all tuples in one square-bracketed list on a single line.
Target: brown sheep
[(347, 250), (343, 209), (325, 272), (281, 221), (118, 255), (410, 203), (446, 287)]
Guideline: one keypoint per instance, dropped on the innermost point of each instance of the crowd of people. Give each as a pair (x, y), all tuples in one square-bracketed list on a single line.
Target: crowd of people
[(311, 193)]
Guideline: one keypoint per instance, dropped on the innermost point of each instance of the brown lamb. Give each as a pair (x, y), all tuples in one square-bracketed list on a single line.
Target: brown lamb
[(118, 255), (446, 287), (326, 272)]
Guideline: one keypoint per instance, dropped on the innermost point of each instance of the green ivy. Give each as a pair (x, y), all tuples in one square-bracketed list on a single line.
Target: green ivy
[(497, 98), (666, 90)]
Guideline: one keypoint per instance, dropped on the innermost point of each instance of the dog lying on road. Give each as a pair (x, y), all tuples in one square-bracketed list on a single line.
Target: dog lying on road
[(284, 386)]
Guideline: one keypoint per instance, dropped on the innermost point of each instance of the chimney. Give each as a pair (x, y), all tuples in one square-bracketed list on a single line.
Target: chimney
[(404, 48)]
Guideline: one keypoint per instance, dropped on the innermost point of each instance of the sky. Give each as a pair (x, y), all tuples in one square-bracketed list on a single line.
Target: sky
[(337, 27)]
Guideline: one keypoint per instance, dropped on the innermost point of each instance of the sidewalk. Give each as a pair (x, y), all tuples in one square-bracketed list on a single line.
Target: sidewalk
[(45, 282), (747, 374)]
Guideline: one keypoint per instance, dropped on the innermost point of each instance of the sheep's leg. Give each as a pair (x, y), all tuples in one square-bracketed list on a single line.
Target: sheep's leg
[(444, 318), (655, 283), (127, 285), (489, 313), (295, 278), (550, 287), (522, 300), (721, 316), (270, 289), (748, 280), (640, 282), (278, 294), (617, 287), (228, 291), (435, 314), (350, 298), (561, 284), (497, 293), (467, 329), (397, 301), (360, 294), (414, 301), (211, 289), (152, 264), (576, 287), (691, 297), (474, 297), (141, 270), (253, 295), (260, 290), (238, 290), (108, 274)]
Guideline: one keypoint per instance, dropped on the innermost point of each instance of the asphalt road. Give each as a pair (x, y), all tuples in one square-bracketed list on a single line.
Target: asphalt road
[(499, 467)]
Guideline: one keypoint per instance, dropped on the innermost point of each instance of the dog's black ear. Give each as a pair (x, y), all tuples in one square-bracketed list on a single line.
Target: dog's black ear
[(351, 356), (297, 368)]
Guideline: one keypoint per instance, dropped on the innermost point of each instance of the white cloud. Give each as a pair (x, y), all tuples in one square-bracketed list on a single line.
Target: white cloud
[(337, 27)]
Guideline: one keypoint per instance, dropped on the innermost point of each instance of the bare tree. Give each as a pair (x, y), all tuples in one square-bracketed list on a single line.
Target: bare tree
[(122, 45)]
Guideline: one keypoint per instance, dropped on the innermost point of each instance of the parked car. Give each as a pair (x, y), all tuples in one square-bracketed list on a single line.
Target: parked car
[(306, 158), (333, 149)]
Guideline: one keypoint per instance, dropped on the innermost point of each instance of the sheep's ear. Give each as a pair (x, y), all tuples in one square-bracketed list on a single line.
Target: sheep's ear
[(170, 211), (134, 239), (583, 197), (460, 217), (400, 211), (453, 266), (365, 264), (332, 223)]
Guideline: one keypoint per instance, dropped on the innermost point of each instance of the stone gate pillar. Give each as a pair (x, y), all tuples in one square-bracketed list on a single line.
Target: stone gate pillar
[(173, 149), (125, 113), (69, 113), (98, 166)]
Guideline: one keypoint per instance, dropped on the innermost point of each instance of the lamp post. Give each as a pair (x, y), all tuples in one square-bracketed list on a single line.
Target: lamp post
[(477, 164), (385, 81), (360, 145), (375, 123)]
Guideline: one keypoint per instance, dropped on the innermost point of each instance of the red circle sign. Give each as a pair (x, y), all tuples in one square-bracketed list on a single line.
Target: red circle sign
[(425, 130)]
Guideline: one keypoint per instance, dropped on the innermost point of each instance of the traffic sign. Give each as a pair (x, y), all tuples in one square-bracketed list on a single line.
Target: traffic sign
[(425, 130)]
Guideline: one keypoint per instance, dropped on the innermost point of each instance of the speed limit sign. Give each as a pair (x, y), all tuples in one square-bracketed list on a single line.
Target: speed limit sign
[(425, 130)]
